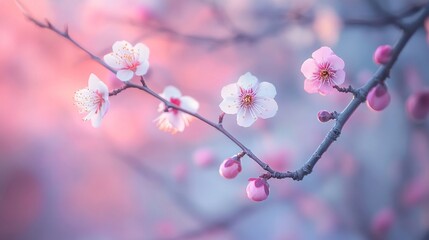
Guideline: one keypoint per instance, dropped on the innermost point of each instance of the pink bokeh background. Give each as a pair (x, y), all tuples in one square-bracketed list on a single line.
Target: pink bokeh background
[(62, 179)]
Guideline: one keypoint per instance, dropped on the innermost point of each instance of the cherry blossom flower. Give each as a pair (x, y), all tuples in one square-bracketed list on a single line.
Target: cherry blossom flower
[(383, 54), (93, 100), (174, 120), (257, 189), (249, 99), (230, 167), (128, 59), (323, 71)]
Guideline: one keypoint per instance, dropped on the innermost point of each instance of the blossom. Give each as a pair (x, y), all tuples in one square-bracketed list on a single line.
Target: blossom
[(128, 59), (174, 120), (249, 100), (93, 100), (378, 98), (383, 54), (257, 189), (230, 167), (323, 71), (418, 105)]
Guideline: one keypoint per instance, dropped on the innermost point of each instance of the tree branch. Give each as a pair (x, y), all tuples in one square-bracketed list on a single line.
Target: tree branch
[(359, 97)]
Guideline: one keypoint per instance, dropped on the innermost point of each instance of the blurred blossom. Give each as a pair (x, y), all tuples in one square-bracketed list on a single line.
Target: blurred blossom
[(128, 59), (180, 172), (174, 120), (327, 25), (93, 100), (415, 192), (418, 105), (323, 71), (382, 222), (249, 99), (279, 160), (378, 98), (204, 157), (382, 54)]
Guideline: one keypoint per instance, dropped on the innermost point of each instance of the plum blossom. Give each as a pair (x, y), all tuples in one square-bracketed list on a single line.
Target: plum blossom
[(323, 71), (172, 120), (93, 100), (128, 59), (249, 99), (257, 189)]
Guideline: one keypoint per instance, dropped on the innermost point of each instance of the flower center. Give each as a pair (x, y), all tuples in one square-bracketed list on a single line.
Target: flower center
[(324, 74), (175, 101), (247, 100), (88, 100)]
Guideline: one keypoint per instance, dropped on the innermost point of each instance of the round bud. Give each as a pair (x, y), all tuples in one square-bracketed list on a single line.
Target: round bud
[(378, 98), (230, 168), (257, 189), (383, 54), (418, 105), (324, 116)]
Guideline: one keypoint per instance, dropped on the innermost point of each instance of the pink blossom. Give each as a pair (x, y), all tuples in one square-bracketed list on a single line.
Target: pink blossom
[(249, 99), (323, 71), (93, 100), (174, 120), (383, 54), (257, 189), (382, 222), (418, 105), (128, 60), (378, 98), (230, 168), (203, 157)]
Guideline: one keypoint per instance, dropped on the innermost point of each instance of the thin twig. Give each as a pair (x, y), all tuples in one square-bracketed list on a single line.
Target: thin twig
[(359, 97)]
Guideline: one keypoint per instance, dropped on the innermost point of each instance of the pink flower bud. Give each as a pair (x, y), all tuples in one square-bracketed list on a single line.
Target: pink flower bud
[(324, 116), (257, 189), (203, 157), (230, 168), (418, 105), (383, 54), (382, 222), (378, 98)]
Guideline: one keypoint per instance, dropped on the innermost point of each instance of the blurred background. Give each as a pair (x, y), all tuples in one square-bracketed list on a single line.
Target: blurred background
[(62, 179)]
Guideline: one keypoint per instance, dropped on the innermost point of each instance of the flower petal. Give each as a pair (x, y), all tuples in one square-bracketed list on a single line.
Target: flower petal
[(229, 105), (266, 89), (320, 54), (142, 51), (142, 68), (176, 121), (247, 81), (245, 117), (171, 92), (95, 84), (189, 103), (230, 90), (336, 62), (124, 75), (113, 61), (96, 119), (265, 107), (311, 86), (340, 77), (309, 67), (120, 46), (325, 88)]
